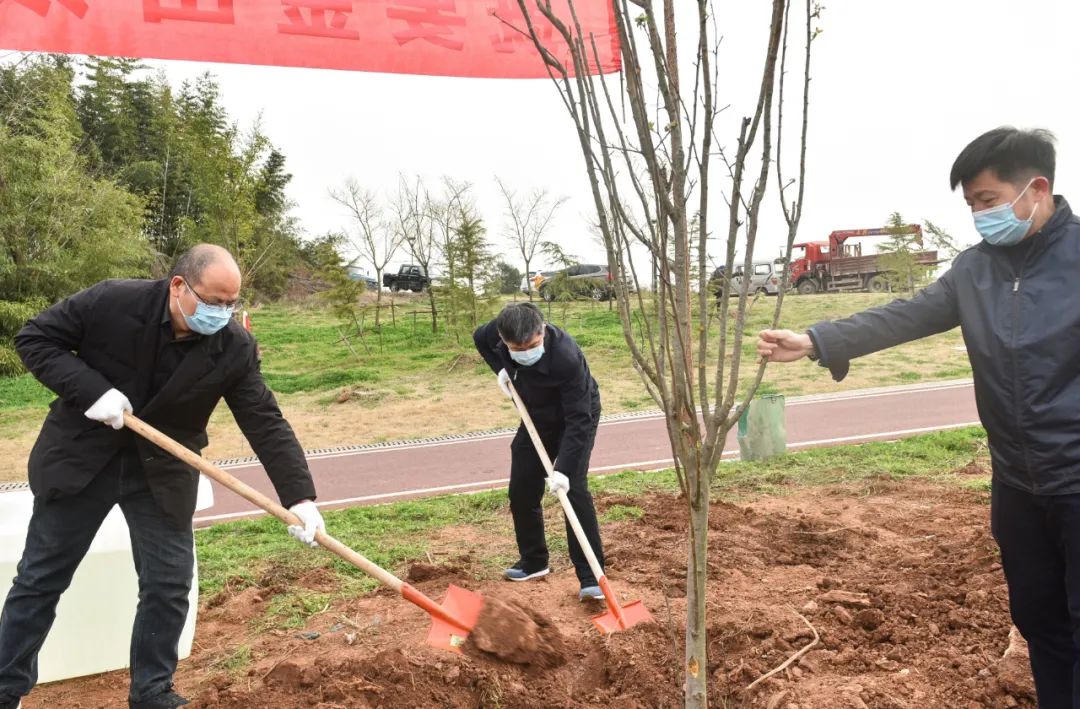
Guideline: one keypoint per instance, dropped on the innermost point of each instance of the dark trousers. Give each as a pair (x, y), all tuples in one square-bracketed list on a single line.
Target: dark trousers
[(1039, 537), (527, 487), (58, 538)]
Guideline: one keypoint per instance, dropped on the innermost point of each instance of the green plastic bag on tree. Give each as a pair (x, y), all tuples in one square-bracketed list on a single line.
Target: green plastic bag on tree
[(762, 433)]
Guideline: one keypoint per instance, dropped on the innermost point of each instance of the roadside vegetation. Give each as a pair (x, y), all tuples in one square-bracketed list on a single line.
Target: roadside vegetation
[(400, 379)]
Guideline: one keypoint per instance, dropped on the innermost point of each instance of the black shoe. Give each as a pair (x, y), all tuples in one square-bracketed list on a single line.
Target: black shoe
[(10, 703), (168, 700)]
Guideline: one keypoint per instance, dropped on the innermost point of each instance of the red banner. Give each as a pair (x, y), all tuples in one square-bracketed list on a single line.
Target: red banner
[(438, 37)]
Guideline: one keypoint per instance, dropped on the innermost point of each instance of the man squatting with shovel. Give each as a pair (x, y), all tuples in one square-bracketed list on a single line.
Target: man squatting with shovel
[(1016, 299), (168, 350), (549, 371)]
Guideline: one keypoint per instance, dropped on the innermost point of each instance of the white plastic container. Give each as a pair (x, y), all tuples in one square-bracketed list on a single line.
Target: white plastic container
[(92, 631)]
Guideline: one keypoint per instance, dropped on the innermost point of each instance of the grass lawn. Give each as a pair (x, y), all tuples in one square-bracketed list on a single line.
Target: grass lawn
[(404, 382)]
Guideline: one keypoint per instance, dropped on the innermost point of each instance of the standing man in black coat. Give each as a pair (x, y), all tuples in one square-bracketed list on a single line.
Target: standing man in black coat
[(551, 376), (1016, 300), (168, 351)]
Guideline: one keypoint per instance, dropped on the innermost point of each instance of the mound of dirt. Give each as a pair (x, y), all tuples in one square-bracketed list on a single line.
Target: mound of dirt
[(511, 631), (420, 572), (900, 581)]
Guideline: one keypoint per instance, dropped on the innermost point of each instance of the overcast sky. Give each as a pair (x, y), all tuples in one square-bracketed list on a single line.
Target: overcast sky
[(898, 90)]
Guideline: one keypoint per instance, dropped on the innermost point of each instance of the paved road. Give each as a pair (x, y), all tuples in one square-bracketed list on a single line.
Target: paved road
[(356, 475)]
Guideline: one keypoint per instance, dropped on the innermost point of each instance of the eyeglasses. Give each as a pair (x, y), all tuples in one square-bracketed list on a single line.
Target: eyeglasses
[(231, 305)]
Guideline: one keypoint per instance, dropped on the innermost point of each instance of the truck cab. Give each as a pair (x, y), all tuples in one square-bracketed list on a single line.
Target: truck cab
[(409, 277), (808, 261)]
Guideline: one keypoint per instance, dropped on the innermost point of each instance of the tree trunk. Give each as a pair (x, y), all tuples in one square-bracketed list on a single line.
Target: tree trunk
[(472, 303), (696, 668), (434, 310), (528, 281), (378, 296), (452, 287)]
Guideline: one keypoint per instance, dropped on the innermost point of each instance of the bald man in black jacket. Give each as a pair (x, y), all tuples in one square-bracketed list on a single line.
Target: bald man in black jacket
[(169, 351)]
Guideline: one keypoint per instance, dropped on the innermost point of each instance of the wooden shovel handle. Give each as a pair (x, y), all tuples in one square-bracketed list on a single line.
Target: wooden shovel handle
[(258, 499), (568, 509)]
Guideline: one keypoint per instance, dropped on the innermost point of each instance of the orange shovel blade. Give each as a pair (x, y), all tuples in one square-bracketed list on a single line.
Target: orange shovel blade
[(464, 607), (632, 614)]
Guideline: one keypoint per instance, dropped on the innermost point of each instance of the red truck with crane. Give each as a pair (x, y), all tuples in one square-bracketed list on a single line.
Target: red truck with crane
[(835, 266)]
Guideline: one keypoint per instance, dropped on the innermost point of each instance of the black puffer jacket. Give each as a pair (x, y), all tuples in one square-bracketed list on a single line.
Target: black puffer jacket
[(1019, 311)]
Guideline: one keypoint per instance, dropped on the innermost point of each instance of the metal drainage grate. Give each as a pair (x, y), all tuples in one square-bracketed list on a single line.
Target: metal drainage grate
[(389, 445)]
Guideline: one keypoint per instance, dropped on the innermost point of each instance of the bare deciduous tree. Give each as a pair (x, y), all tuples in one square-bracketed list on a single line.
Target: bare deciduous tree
[(528, 218), (417, 227), (651, 178), (371, 237)]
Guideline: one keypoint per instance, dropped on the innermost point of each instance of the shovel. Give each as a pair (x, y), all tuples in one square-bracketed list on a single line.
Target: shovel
[(618, 617), (451, 622)]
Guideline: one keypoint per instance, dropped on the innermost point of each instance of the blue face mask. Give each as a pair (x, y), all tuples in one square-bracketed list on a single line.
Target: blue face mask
[(207, 319), (528, 358), (999, 226)]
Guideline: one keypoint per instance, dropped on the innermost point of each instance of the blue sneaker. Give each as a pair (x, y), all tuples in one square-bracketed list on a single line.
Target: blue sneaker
[(517, 572), (590, 593)]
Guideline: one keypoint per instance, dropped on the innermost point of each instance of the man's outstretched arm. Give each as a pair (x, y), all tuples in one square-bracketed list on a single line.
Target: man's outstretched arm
[(835, 343)]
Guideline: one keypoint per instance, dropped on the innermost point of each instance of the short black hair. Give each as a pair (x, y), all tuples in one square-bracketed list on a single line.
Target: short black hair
[(193, 263), (519, 322), (1012, 154)]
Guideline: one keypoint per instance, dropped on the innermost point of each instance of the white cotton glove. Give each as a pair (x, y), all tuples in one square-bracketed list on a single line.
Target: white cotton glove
[(558, 481), (110, 409), (504, 383), (312, 519)]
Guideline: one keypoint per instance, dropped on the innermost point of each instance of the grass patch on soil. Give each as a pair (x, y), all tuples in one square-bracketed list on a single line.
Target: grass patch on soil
[(235, 663), (238, 554), (287, 611), (619, 513)]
